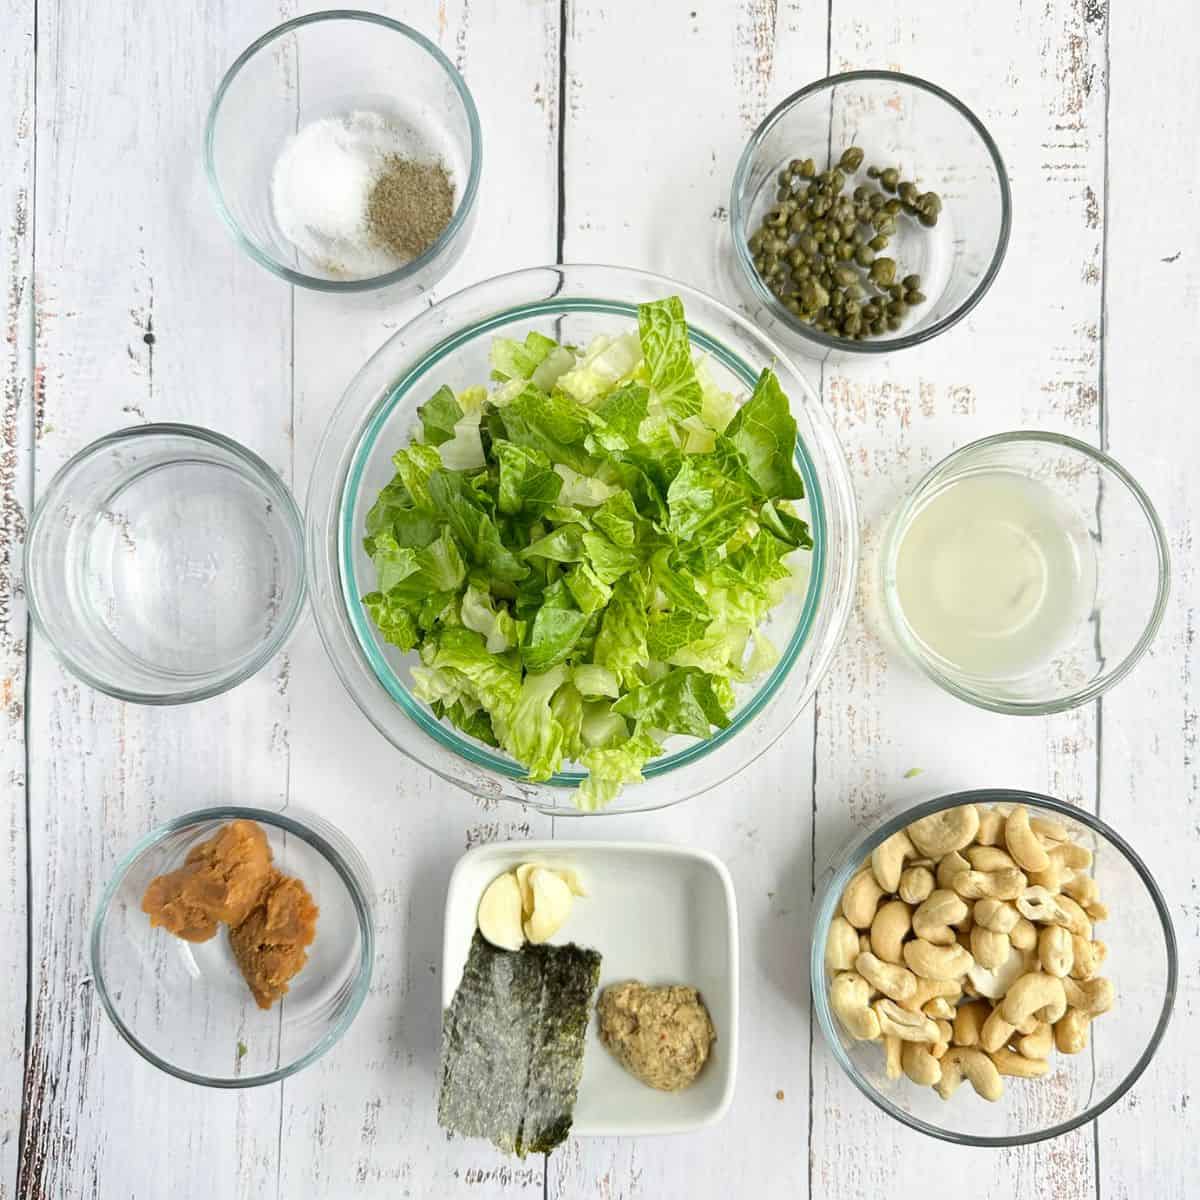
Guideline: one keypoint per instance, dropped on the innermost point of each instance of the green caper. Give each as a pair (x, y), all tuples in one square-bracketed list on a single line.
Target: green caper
[(877, 200), (912, 283), (808, 244), (861, 193), (896, 308), (877, 326), (855, 291), (807, 168), (851, 325), (914, 296), (820, 205), (797, 221), (796, 258), (792, 305), (927, 218), (845, 250), (907, 191), (894, 207), (889, 179), (783, 193), (760, 264), (896, 291), (851, 160), (883, 222), (883, 271), (871, 310), (930, 200), (864, 256), (873, 172), (827, 248), (845, 276), (878, 242), (894, 323), (837, 181)]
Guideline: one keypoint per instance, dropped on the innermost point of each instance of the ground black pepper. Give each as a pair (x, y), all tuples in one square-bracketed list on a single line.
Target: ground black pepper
[(409, 205)]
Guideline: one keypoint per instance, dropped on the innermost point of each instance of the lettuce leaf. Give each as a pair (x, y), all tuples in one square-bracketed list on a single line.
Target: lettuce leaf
[(684, 700), (439, 415), (668, 353), (764, 430)]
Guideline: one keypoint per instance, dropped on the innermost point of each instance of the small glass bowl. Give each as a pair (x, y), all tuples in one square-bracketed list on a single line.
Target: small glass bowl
[(165, 564), (935, 141), (330, 64), (184, 1006), (1111, 523), (449, 344), (1142, 963)]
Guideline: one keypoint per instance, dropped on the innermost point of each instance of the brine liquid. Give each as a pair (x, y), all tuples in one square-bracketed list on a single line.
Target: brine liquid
[(995, 574)]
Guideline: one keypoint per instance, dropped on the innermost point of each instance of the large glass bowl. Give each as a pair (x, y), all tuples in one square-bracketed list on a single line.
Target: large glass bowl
[(1142, 963), (449, 345)]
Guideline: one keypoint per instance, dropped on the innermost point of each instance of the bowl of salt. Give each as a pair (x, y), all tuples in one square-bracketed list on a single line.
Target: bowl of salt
[(343, 152)]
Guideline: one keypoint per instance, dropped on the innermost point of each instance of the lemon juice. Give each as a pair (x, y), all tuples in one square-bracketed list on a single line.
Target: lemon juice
[(995, 573)]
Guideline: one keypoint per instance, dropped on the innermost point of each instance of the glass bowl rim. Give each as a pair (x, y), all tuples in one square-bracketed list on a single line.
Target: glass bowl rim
[(462, 209), (890, 548), (263, 472), (867, 346), (419, 712), (854, 854), (280, 820)]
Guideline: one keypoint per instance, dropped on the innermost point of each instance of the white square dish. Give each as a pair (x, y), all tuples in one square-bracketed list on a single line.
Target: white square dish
[(657, 913)]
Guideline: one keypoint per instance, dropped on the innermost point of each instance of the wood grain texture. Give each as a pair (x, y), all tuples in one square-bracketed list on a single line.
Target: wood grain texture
[(878, 717), (145, 311), (362, 1121), (17, 148), (1150, 758)]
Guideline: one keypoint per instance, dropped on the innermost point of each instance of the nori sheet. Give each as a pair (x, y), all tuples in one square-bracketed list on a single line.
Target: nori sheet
[(512, 1044)]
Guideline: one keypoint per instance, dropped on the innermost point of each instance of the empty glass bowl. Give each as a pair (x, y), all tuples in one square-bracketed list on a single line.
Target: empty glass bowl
[(1026, 573), (185, 1007), (935, 141), (334, 64), (165, 564), (448, 345), (1142, 964)]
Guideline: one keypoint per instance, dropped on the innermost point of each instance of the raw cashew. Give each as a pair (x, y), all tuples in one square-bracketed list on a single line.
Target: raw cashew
[(932, 989), (891, 1046), (1055, 952), (967, 923), (861, 898), (916, 883), (997, 915), (1096, 911), (1010, 1063), (945, 831), (1034, 995), (936, 962), (1038, 904), (953, 864), (991, 827), (1055, 878), (896, 982), (1047, 827), (1091, 996), (919, 1065), (990, 858), (1088, 957), (995, 1031), (895, 1021), (994, 983), (1006, 884), (892, 922), (849, 997), (933, 919), (1071, 916), (939, 1009), (968, 1021), (1072, 855), (1071, 1033), (1022, 842), (945, 1037), (841, 947), (989, 949), (888, 859), (1023, 934), (1083, 889), (961, 1063), (1039, 1043)]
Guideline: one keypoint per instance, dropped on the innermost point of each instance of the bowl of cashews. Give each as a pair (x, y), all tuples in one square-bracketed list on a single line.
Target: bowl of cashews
[(993, 967)]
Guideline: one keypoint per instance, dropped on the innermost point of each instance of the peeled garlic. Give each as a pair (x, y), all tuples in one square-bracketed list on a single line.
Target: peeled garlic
[(499, 913), (568, 875), (551, 904)]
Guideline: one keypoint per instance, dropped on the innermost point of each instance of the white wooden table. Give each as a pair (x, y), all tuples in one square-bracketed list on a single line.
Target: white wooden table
[(611, 132)]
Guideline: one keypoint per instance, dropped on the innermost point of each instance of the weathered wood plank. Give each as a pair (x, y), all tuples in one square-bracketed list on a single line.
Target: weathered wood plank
[(1150, 759), (363, 1120), (722, 66), (146, 310), (896, 418), (16, 436)]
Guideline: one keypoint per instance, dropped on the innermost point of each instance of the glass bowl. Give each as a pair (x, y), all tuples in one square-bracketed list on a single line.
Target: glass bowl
[(935, 141), (449, 345), (1142, 964), (332, 64), (1101, 543), (165, 564), (184, 1006)]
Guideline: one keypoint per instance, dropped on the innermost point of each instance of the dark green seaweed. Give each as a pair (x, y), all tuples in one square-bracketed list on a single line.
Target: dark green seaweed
[(512, 1044)]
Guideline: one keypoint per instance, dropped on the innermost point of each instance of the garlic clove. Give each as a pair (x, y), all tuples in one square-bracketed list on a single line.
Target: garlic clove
[(523, 873), (499, 913), (551, 904)]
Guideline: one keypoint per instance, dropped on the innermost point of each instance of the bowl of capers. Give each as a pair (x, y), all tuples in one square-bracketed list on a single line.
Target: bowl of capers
[(870, 212)]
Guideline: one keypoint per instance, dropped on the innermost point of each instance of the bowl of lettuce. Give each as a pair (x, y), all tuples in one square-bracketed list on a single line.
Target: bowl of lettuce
[(581, 538)]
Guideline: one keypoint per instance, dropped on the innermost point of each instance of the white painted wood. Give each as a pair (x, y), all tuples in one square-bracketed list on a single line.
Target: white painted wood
[(657, 109), (16, 434)]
